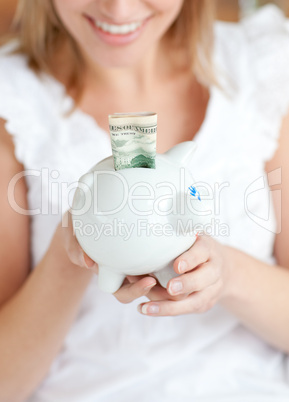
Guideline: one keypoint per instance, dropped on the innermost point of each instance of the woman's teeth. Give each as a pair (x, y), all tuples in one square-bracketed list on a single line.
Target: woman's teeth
[(118, 29)]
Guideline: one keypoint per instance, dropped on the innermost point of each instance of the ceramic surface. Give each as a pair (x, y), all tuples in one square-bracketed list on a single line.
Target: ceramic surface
[(137, 221)]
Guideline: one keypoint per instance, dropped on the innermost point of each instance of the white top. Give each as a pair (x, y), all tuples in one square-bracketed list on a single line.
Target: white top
[(112, 353)]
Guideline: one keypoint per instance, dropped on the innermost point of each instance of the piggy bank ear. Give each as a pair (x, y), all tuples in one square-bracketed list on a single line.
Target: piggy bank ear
[(109, 281), (181, 153)]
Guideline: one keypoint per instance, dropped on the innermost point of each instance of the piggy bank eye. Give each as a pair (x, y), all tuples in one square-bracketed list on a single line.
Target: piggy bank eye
[(194, 192)]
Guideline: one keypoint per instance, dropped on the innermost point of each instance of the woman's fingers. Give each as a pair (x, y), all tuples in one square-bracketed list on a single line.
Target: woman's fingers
[(196, 255), (198, 279), (131, 291), (159, 293), (73, 249), (89, 263), (198, 302)]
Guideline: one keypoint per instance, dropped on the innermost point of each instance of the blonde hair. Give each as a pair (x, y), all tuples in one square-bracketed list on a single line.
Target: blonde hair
[(40, 33)]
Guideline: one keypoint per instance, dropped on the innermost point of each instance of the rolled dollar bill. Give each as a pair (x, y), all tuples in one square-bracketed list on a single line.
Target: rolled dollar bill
[(133, 139)]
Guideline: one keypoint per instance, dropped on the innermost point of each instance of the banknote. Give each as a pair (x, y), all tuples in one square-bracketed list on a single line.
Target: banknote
[(133, 139)]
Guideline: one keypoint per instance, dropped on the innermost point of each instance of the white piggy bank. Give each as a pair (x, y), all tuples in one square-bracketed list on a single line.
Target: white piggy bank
[(137, 221)]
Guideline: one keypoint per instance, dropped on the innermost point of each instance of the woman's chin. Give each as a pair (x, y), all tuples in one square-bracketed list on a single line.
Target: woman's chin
[(125, 60)]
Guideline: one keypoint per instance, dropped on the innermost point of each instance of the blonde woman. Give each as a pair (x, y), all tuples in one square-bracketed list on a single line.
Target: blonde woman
[(219, 332)]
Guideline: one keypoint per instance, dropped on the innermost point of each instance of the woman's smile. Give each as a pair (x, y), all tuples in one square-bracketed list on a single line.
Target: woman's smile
[(117, 34)]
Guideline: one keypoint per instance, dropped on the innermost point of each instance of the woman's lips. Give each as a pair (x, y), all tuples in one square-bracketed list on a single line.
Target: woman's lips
[(117, 35)]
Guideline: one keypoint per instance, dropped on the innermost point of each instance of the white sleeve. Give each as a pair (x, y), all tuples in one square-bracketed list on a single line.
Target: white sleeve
[(23, 105), (267, 37)]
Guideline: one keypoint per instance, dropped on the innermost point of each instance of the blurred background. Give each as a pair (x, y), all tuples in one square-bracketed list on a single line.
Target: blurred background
[(228, 10)]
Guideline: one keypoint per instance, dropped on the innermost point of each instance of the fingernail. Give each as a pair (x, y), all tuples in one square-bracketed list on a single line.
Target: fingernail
[(150, 309), (150, 286), (182, 266), (176, 287), (87, 261)]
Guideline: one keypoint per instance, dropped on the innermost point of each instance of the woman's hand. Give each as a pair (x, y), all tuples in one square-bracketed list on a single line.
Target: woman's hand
[(204, 279), (132, 288), (75, 253), (204, 272)]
